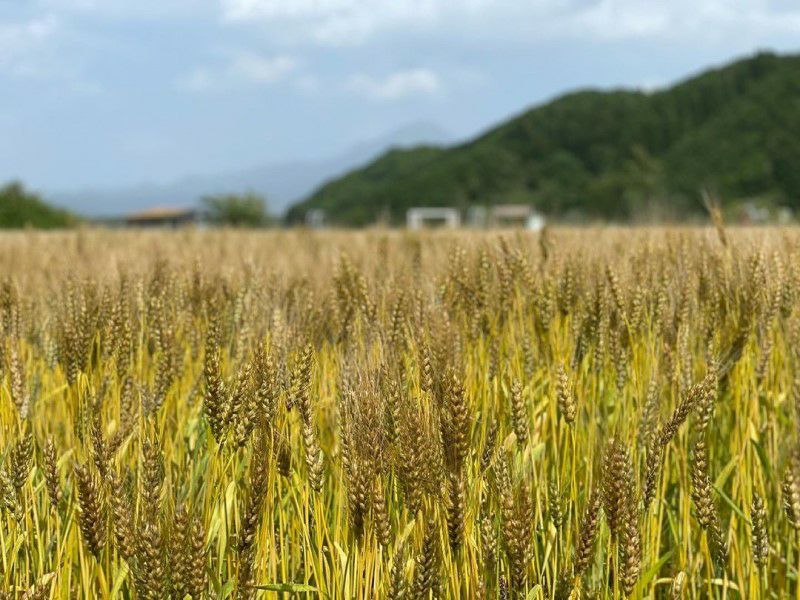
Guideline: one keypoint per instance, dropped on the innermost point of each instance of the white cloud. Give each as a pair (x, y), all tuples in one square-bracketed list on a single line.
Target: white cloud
[(348, 22), (397, 85), (652, 85), (334, 22), (33, 50), (21, 42), (259, 69), (280, 9), (242, 68), (697, 21), (137, 9)]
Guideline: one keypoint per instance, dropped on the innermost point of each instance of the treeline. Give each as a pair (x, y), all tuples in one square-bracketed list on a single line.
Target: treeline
[(237, 210), (21, 208)]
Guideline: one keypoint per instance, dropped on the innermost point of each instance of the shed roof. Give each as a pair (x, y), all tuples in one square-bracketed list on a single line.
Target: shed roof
[(161, 212)]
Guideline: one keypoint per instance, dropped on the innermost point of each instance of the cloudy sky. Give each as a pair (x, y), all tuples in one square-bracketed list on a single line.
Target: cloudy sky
[(98, 92)]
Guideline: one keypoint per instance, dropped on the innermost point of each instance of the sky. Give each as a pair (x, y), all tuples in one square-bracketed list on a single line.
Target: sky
[(117, 92)]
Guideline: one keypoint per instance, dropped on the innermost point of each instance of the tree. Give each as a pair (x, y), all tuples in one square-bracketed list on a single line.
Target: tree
[(245, 210), (22, 208)]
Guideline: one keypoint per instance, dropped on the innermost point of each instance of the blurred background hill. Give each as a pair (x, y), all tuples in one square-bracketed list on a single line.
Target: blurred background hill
[(621, 154)]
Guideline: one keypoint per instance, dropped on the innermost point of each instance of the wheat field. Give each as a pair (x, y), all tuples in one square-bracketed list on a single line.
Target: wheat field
[(580, 413)]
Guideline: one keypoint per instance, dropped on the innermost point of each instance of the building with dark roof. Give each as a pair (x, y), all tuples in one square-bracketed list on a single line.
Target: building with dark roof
[(163, 216)]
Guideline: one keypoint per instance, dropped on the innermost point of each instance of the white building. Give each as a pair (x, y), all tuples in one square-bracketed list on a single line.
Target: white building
[(315, 218), (418, 217), (516, 215)]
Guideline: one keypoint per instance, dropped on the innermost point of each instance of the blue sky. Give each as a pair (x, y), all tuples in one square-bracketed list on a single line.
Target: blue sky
[(113, 92)]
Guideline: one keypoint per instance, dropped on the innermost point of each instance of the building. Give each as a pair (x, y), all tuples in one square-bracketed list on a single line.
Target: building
[(418, 217), (163, 216), (515, 215), (315, 218)]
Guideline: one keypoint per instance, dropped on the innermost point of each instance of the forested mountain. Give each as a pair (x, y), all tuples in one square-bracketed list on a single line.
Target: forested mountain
[(622, 154)]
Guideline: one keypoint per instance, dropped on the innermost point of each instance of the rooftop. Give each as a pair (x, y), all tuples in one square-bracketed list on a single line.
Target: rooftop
[(161, 212)]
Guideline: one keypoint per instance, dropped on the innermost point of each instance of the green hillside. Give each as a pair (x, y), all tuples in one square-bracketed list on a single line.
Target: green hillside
[(604, 154), (21, 208)]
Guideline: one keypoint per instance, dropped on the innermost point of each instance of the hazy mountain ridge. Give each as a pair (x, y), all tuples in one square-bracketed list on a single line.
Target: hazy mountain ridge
[(281, 183)]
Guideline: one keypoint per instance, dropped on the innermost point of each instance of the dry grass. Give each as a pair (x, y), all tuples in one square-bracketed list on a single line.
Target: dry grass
[(583, 413)]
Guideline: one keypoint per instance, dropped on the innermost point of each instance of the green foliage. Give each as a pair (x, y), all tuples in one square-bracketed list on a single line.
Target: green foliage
[(22, 208), (611, 155), (246, 210)]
